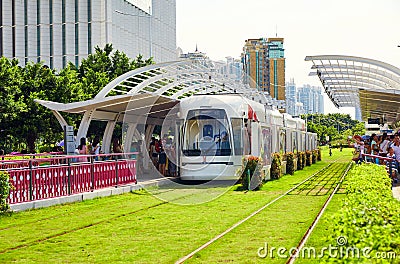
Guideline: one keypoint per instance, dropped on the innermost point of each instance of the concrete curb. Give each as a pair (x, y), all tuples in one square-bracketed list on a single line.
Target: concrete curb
[(88, 195)]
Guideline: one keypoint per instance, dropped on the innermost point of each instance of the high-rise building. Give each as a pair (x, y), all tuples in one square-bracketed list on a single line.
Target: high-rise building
[(256, 63), (291, 97), (276, 68), (312, 99), (264, 64), (58, 31), (358, 113), (231, 68)]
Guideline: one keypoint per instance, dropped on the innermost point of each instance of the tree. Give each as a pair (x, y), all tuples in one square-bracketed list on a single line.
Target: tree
[(11, 102), (33, 119), (23, 120), (337, 126)]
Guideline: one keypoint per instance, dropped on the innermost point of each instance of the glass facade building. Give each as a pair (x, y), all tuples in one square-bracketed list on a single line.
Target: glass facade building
[(61, 31), (312, 99), (264, 64)]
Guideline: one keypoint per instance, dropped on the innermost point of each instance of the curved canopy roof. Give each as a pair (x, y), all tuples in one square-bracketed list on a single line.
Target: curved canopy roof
[(371, 85), (162, 84)]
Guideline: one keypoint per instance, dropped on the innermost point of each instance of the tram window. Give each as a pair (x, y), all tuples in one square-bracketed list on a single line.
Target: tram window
[(282, 140), (205, 132), (266, 150), (237, 135), (294, 141)]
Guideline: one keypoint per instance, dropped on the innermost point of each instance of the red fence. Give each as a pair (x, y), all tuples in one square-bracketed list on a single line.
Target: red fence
[(64, 176)]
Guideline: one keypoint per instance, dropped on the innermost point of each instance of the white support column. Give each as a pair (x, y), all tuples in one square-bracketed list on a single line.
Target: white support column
[(149, 131), (108, 136), (129, 136), (60, 119), (84, 125)]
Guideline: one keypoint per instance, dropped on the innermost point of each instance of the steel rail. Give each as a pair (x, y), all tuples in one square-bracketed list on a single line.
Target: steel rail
[(305, 237)]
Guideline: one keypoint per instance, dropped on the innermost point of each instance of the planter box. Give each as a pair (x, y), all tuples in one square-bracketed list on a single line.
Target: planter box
[(267, 172)]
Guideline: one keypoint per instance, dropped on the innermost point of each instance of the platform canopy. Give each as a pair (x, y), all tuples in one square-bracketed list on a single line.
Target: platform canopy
[(157, 88), (371, 85), (147, 95)]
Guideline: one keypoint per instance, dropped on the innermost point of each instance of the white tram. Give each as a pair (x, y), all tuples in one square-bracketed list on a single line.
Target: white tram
[(218, 130)]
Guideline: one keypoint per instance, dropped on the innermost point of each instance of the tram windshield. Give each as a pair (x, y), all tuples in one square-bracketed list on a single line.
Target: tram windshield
[(207, 133)]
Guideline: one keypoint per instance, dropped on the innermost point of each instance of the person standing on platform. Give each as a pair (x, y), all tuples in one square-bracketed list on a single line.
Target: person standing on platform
[(162, 161), (384, 145), (82, 149), (153, 152), (96, 147), (117, 148)]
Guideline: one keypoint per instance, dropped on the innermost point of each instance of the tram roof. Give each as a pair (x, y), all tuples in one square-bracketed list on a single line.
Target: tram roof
[(371, 85)]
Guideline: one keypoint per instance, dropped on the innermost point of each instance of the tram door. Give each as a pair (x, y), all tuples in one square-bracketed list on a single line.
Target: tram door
[(178, 143), (255, 139)]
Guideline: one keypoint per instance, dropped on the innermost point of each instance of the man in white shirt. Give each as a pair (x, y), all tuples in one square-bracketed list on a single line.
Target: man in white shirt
[(396, 147)]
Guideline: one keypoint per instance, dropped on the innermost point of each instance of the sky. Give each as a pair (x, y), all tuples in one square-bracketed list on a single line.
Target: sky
[(364, 28)]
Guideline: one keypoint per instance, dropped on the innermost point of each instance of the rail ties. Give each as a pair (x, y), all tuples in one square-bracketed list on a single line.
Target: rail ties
[(322, 183)]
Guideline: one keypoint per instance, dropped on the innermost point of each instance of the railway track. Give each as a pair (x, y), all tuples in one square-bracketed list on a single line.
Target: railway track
[(325, 181)]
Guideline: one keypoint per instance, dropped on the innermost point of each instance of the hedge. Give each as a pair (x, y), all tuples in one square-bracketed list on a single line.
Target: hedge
[(276, 166), (300, 160), (308, 158), (369, 216), (290, 163), (5, 187)]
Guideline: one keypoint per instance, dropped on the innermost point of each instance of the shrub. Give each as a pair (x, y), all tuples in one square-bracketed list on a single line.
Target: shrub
[(5, 187), (314, 156), (303, 156), (300, 163), (319, 158), (308, 158), (251, 165), (369, 216), (276, 166), (290, 163)]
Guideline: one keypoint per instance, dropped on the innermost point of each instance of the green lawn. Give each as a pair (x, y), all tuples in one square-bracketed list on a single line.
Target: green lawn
[(137, 227)]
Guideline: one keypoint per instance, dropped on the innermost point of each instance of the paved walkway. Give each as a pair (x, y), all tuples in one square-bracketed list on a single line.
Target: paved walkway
[(396, 191)]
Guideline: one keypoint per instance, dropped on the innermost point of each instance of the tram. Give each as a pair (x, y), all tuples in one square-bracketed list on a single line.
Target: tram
[(219, 130)]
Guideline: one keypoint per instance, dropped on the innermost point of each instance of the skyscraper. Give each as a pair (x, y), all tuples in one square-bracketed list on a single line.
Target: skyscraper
[(311, 98), (264, 64), (276, 68), (58, 31), (291, 97), (231, 68)]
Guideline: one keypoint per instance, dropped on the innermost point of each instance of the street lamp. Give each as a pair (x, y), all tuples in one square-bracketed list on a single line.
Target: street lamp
[(149, 16)]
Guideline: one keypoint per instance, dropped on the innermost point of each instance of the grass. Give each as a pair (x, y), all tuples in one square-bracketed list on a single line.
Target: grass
[(139, 228)]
